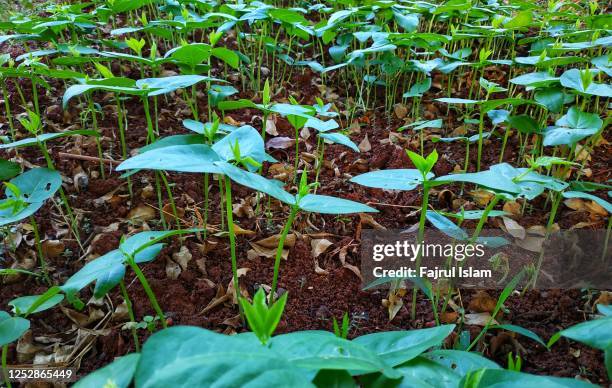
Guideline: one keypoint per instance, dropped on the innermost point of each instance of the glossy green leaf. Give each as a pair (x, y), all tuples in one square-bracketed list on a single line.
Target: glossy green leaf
[(181, 158), (318, 350), (8, 169), (392, 179), (46, 137), (572, 127), (185, 356), (117, 374), (11, 328), (325, 204), (397, 347), (339, 138), (32, 304), (572, 79), (460, 362), (501, 378)]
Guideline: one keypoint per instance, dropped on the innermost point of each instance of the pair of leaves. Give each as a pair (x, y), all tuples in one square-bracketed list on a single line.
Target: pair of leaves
[(35, 186)]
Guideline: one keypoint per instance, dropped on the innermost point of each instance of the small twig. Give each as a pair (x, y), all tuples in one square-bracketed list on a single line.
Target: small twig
[(88, 158)]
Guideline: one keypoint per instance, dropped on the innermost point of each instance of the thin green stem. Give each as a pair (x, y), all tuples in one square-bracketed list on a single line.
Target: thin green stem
[(147, 288), (4, 366), (128, 304), (279, 250)]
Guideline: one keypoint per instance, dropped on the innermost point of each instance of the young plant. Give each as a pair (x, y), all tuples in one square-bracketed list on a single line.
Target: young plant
[(261, 318), (25, 194)]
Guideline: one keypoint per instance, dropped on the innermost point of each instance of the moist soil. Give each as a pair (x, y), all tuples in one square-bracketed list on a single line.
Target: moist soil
[(318, 290)]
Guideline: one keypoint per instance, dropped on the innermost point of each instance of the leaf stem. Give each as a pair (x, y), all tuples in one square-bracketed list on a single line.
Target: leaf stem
[(279, 250)]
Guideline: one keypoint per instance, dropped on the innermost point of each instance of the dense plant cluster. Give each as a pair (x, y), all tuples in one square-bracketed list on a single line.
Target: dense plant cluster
[(221, 57)]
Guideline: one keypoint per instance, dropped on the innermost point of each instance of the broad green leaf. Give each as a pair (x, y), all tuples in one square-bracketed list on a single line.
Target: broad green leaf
[(181, 158), (256, 182), (408, 22), (418, 89), (339, 138), (11, 328), (36, 185), (117, 374), (335, 379), (459, 361), (538, 79), (8, 169), (553, 99), (572, 79), (248, 139), (521, 20), (32, 304), (501, 378), (477, 214), (169, 84), (46, 137), (318, 350), (572, 127), (397, 347), (325, 204), (422, 372), (392, 179), (186, 356), (107, 269), (238, 104), (190, 55), (226, 55), (524, 124)]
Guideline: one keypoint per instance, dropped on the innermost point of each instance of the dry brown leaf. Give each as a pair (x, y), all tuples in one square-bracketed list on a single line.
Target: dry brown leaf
[(400, 110), (479, 319), (318, 270), (52, 248), (173, 270), (280, 142), (207, 246), (319, 246), (394, 302), (182, 257), (231, 293), (271, 125), (231, 121), (482, 302), (575, 204), (368, 220), (482, 197), (121, 313), (305, 133), (449, 317), (365, 145), (142, 213), (243, 209), (595, 209), (242, 232), (513, 208), (514, 228), (531, 243), (604, 298)]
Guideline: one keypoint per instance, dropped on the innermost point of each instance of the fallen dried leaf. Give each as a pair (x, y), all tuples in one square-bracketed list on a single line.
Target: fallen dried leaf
[(142, 213), (319, 246)]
